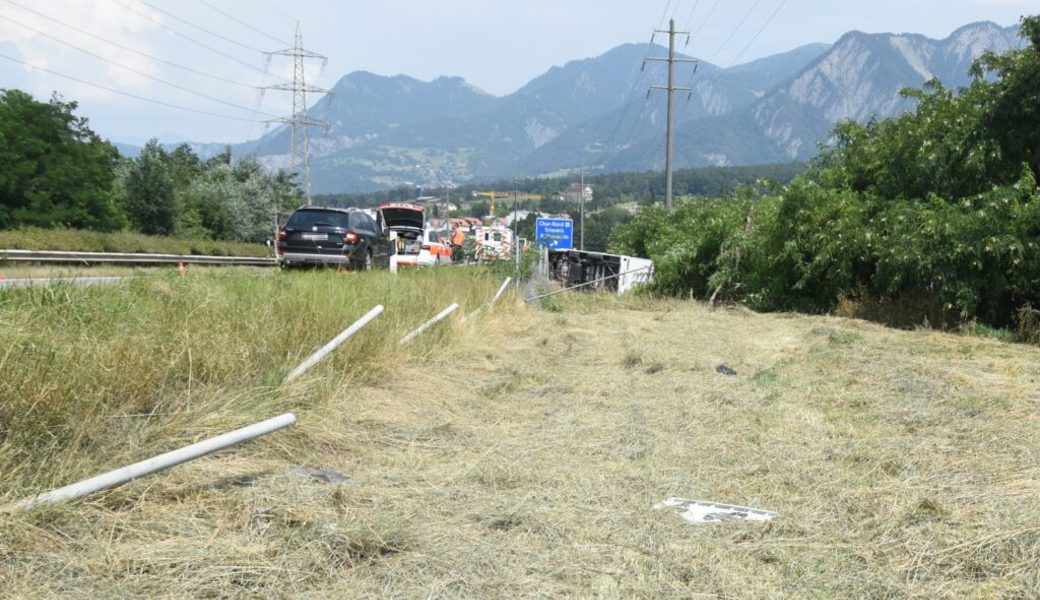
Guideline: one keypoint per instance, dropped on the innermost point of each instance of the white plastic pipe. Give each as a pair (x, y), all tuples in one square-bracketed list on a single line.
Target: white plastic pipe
[(339, 339), (505, 284), (158, 463), (441, 315)]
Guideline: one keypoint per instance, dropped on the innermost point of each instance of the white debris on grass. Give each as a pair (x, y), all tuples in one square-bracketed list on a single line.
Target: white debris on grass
[(700, 511)]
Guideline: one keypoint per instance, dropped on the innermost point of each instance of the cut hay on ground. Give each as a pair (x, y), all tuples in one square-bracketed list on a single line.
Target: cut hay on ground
[(520, 455)]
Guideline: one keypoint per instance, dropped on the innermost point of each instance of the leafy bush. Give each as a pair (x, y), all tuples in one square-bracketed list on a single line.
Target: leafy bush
[(936, 211)]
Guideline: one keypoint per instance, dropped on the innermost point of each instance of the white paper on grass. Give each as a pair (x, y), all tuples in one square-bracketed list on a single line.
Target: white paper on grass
[(701, 511)]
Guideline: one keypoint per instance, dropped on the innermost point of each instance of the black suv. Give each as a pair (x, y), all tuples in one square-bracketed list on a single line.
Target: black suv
[(347, 237)]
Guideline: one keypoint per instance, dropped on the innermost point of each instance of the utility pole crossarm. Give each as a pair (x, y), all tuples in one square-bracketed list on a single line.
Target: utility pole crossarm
[(304, 122), (672, 60), (288, 87), (680, 88), (297, 52)]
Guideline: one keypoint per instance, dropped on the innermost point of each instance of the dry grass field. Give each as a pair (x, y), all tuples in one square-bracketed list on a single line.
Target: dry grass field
[(520, 454)]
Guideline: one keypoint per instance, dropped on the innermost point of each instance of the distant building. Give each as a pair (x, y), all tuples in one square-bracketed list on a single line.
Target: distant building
[(575, 193)]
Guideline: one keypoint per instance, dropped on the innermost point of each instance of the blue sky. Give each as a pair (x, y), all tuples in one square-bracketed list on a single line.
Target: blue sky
[(497, 45)]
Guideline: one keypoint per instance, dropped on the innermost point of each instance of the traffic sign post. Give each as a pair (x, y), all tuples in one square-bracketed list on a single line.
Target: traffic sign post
[(557, 234)]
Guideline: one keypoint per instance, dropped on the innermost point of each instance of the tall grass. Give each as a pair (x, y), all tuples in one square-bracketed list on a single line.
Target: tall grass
[(93, 377)]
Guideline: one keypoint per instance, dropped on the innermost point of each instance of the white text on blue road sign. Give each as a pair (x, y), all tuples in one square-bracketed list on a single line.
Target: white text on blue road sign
[(554, 233)]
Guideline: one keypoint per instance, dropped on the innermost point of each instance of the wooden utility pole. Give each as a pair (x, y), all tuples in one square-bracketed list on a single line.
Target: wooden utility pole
[(671, 88)]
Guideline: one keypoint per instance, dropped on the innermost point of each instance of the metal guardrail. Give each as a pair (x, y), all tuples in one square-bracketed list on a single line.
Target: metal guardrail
[(103, 258)]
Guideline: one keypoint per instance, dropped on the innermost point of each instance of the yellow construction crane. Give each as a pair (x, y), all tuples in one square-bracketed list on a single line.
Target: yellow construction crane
[(491, 200), (492, 195)]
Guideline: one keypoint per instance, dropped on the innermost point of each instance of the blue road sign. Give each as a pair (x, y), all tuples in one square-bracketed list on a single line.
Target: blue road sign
[(554, 233)]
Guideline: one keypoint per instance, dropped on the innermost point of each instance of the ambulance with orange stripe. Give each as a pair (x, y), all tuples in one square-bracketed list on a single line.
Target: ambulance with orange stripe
[(417, 244)]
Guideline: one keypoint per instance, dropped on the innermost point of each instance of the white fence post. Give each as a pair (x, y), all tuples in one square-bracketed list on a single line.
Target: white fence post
[(158, 463), (339, 339), (505, 284), (441, 315)]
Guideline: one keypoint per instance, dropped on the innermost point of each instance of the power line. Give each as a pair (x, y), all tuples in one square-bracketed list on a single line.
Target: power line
[(631, 97), (759, 32), (723, 71), (689, 19), (241, 22), (733, 63), (201, 28), (131, 69), (706, 19), (132, 50), (124, 93), (628, 105), (274, 6), (736, 29), (191, 39), (665, 13)]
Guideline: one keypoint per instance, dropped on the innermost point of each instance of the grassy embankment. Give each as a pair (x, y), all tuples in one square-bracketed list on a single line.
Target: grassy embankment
[(75, 240), (515, 455)]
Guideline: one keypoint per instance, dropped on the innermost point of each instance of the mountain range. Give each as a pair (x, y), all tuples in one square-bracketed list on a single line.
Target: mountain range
[(595, 114)]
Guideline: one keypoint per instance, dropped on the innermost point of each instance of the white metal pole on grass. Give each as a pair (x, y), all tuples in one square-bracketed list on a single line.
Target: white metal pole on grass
[(500, 290), (441, 315), (158, 463), (339, 339), (505, 284)]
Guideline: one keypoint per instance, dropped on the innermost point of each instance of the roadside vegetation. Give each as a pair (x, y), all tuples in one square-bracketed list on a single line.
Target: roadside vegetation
[(84, 367), (931, 218), (58, 173), (517, 454), (79, 240)]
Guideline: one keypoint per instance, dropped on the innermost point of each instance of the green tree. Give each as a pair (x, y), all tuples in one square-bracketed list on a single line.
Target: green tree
[(1013, 114), (601, 224), (150, 198), (239, 201), (56, 171)]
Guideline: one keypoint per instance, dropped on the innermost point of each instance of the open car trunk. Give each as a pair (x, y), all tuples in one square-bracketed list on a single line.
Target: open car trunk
[(408, 221)]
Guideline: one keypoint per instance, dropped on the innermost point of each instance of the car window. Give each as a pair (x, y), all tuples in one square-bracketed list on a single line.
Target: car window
[(367, 223), (436, 239), (305, 219)]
